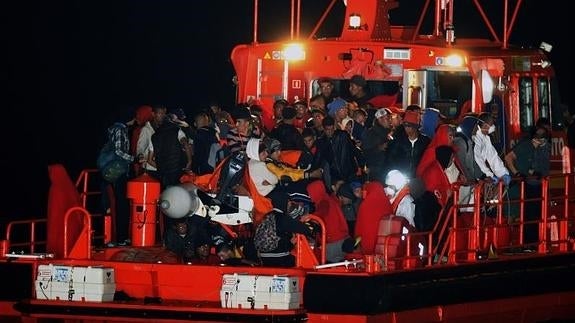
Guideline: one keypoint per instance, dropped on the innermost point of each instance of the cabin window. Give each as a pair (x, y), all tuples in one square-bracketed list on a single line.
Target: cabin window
[(375, 88), (526, 103), (557, 121), (448, 91), (543, 89)]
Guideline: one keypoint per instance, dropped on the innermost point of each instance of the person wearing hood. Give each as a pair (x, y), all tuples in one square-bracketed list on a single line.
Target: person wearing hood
[(443, 137), (374, 207), (464, 150), (327, 207), (264, 180), (347, 125), (486, 155), (397, 190), (441, 173)]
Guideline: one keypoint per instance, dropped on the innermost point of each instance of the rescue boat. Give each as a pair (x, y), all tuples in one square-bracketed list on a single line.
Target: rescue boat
[(483, 270)]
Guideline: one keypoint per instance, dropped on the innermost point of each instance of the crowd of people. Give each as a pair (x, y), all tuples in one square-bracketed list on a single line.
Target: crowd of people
[(350, 161)]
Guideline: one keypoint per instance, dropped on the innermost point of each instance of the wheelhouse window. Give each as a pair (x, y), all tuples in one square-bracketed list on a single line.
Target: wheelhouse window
[(448, 92), (557, 119), (374, 88), (526, 103), (543, 95)]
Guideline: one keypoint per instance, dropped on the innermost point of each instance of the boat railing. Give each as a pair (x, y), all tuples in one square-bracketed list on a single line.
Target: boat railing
[(311, 253), (90, 192), (496, 224), (494, 228), (25, 236), (29, 236)]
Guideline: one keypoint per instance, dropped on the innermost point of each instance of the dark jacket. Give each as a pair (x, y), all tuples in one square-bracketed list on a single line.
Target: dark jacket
[(372, 146), (289, 136), (405, 158), (285, 228), (343, 157), (205, 137), (169, 153)]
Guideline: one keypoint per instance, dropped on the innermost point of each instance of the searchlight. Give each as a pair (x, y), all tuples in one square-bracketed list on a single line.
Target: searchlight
[(294, 52)]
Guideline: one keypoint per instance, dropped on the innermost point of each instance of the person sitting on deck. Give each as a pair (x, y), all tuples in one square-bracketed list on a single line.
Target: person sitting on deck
[(285, 222), (179, 238), (233, 256), (293, 179)]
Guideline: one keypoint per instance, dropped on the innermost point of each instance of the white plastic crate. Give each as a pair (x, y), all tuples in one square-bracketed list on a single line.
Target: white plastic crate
[(68, 283), (260, 292)]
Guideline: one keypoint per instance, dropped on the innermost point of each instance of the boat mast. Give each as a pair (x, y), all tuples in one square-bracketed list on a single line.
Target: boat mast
[(255, 31)]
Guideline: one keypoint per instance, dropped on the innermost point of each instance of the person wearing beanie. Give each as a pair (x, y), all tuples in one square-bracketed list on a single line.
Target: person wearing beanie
[(287, 223), (357, 189), (346, 191), (349, 204), (335, 106), (398, 123), (179, 113)]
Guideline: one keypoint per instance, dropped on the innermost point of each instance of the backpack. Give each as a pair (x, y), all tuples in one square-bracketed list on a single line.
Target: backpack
[(265, 237), (110, 165)]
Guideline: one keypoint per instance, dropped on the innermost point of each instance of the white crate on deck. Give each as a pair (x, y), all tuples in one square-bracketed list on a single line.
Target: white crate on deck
[(56, 282), (43, 282), (100, 284), (284, 284), (284, 301), (260, 292)]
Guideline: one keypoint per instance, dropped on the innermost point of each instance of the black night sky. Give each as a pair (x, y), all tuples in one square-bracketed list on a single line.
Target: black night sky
[(69, 67)]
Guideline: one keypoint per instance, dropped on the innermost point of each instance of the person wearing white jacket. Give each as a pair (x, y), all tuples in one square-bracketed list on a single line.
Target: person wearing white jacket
[(485, 153), (264, 180)]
